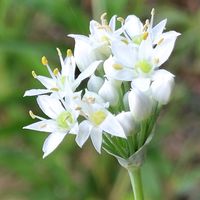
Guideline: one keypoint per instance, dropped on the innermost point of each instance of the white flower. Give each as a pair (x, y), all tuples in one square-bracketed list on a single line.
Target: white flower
[(83, 51), (130, 61), (94, 83), (136, 31), (127, 122), (62, 83), (97, 45), (162, 86), (63, 120), (145, 50), (98, 119), (109, 93), (140, 104)]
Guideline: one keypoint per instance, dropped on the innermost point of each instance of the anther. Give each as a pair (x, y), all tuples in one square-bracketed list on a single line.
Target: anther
[(34, 74), (69, 53), (31, 114), (146, 25), (55, 71), (54, 89), (152, 12), (156, 60), (120, 19), (160, 41), (145, 35), (78, 108), (103, 19), (117, 66), (44, 60), (59, 52)]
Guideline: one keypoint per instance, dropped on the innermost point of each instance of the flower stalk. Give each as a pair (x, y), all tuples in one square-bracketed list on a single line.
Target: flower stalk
[(136, 182)]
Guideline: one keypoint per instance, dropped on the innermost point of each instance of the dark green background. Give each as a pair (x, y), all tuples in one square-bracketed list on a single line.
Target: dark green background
[(30, 29)]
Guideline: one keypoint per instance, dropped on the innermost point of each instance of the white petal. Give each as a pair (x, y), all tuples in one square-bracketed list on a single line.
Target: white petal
[(112, 126), (74, 129), (83, 51), (112, 22), (141, 83), (35, 92), (133, 26), (47, 82), (51, 142), (86, 73), (96, 137), (162, 86), (124, 53), (93, 26), (158, 29), (162, 74), (51, 106), (140, 104), (68, 69), (43, 126), (94, 83), (127, 122), (85, 128), (109, 93), (164, 50), (146, 50), (123, 73)]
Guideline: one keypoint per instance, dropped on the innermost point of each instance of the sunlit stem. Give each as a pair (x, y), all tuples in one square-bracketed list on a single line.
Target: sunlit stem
[(136, 182)]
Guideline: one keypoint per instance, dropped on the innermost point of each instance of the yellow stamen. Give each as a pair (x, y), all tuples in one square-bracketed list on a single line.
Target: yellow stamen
[(31, 114), (78, 108), (69, 53), (91, 100), (146, 25), (103, 19), (34, 74), (59, 52), (145, 35), (43, 126), (44, 60), (120, 19), (55, 71), (124, 40), (156, 60), (160, 41), (117, 66), (152, 12), (55, 89)]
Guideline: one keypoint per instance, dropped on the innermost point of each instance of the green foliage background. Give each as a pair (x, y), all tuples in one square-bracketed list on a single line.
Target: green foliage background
[(31, 28)]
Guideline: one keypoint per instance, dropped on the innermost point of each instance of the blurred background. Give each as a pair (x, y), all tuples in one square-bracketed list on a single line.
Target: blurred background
[(30, 29)]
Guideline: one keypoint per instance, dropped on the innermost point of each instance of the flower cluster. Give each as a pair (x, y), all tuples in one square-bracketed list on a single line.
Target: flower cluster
[(120, 63)]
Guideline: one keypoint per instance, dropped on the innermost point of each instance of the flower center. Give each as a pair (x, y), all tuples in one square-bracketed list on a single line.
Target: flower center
[(65, 120), (144, 66), (138, 38), (98, 117)]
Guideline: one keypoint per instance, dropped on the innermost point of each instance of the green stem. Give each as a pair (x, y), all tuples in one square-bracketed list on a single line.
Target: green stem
[(136, 182)]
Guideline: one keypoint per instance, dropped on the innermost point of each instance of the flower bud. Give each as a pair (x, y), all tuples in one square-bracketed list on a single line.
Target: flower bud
[(83, 52), (94, 83), (109, 93), (162, 86), (140, 104), (127, 122)]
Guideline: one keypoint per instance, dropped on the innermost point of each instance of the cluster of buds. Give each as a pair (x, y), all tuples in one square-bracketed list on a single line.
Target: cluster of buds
[(120, 60)]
